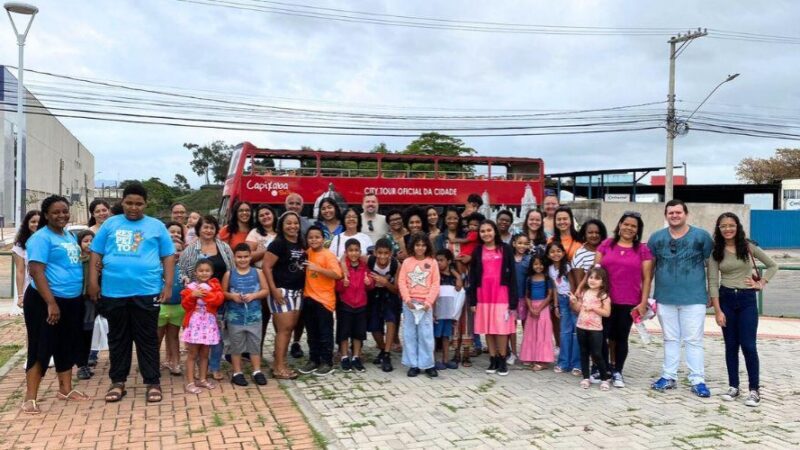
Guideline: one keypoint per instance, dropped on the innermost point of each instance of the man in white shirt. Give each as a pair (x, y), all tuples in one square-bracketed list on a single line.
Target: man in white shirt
[(372, 224)]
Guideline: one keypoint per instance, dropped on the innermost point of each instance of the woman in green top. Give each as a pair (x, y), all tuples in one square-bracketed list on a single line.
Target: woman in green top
[(732, 288)]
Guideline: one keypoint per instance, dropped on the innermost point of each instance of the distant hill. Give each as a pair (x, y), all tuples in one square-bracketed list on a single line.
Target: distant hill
[(205, 201)]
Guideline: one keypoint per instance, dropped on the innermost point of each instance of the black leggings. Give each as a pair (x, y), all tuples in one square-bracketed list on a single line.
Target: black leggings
[(618, 330), (591, 343)]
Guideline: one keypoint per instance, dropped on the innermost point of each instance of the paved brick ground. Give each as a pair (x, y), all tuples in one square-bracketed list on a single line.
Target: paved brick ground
[(227, 417), (466, 408)]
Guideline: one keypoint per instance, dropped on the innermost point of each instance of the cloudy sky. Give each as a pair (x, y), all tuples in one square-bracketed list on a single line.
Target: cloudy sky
[(305, 62)]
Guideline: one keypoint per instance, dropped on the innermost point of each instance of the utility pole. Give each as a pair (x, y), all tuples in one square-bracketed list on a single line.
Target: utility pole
[(672, 124), (60, 176)]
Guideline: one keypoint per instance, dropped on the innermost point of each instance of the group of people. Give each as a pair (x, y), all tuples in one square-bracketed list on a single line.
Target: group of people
[(446, 281)]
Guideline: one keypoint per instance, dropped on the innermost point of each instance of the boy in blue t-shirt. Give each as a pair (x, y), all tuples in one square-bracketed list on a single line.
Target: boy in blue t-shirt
[(245, 288)]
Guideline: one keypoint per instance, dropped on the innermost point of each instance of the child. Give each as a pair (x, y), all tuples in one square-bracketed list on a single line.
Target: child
[(450, 282), (591, 308), (170, 314), (351, 310), (200, 299), (244, 288), (493, 294), (319, 302), (537, 335), (84, 373), (522, 262), (383, 303), (470, 241), (418, 281), (560, 272)]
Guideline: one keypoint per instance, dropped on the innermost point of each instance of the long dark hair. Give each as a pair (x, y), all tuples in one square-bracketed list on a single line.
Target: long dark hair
[(92, 206), (279, 230), (603, 275), (24, 232), (740, 240), (563, 264), (257, 223), (498, 241), (233, 225), (420, 237), (415, 211), (639, 225), (173, 223), (358, 218), (539, 238), (337, 212), (557, 233), (443, 229), (46, 204)]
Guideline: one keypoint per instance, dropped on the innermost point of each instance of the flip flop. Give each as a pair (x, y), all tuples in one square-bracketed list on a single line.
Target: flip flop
[(73, 395), (30, 407)]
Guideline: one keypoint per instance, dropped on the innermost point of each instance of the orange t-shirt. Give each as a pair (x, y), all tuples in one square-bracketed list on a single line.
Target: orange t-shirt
[(318, 286), (232, 240)]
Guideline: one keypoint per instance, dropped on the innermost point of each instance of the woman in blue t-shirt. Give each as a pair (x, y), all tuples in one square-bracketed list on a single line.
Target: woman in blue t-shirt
[(53, 304)]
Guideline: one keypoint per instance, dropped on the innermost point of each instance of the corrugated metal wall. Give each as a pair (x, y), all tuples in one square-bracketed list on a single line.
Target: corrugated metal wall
[(775, 229)]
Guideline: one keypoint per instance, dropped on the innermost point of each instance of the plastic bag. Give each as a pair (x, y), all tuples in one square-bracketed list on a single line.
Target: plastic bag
[(449, 304), (638, 320)]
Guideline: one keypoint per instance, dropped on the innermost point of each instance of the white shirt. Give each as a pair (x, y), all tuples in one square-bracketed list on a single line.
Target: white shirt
[(379, 226), (562, 283), (263, 241), (19, 251), (338, 243), (583, 259)]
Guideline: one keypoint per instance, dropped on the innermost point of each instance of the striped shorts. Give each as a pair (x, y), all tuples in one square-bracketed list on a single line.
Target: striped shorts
[(293, 301)]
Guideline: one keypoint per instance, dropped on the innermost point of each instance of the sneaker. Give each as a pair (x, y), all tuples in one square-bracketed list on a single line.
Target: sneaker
[(753, 399), (324, 369), (93, 358), (502, 366), (346, 364), (492, 365), (386, 363), (617, 379), (260, 378), (701, 390), (440, 365), (731, 395), (577, 372), (356, 364), (432, 372), (412, 372), (451, 364), (310, 367), (662, 384), (512, 358), (238, 379), (594, 377), (84, 373), (296, 351), (378, 359)]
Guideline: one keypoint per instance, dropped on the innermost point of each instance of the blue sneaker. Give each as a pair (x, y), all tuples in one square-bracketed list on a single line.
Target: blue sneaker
[(701, 390), (662, 384)]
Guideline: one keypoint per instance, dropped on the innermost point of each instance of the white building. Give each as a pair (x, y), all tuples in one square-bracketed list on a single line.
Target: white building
[(57, 162)]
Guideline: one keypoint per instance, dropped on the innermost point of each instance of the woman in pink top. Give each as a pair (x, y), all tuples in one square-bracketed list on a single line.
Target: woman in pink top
[(418, 282), (629, 263)]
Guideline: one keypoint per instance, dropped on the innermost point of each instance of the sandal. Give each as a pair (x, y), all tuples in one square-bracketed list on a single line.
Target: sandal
[(192, 389), (217, 376), (558, 369), (284, 374), (537, 367), (154, 394), (206, 384), (175, 370), (73, 395), (585, 383), (115, 392), (577, 372), (604, 386), (30, 407)]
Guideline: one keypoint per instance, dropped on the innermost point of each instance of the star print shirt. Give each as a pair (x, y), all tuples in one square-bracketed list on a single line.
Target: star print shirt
[(419, 280)]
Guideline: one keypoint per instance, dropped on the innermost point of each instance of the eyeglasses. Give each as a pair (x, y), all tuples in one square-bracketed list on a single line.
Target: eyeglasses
[(727, 227), (673, 246), (370, 226), (632, 214)]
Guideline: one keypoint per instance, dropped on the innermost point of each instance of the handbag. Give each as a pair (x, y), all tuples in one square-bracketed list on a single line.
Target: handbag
[(450, 303), (756, 277)]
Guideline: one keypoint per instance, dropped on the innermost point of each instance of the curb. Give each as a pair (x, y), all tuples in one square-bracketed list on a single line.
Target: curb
[(310, 414), (13, 361)]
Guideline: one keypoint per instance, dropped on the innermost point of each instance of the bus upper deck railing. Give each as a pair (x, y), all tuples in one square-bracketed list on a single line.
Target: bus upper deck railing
[(390, 173)]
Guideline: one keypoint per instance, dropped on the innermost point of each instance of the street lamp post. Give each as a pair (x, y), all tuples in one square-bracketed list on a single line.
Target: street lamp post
[(22, 9)]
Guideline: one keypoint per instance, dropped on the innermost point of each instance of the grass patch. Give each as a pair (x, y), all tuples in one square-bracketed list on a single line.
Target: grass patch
[(357, 425), (11, 401), (494, 433), (192, 431), (449, 407), (320, 441), (486, 385), (217, 419), (261, 419), (7, 351)]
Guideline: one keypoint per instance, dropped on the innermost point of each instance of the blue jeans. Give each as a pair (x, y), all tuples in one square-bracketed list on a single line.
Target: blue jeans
[(741, 326), (569, 357), (418, 340), (683, 324), (215, 355)]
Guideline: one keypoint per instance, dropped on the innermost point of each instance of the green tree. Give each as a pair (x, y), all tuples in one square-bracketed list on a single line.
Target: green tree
[(159, 196), (784, 165), (210, 159), (181, 183), (436, 144)]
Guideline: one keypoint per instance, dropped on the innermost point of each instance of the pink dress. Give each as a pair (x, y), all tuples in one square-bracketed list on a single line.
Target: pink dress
[(492, 315), (202, 327), (537, 337)]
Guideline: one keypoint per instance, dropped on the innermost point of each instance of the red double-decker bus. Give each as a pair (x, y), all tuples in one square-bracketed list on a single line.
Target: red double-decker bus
[(260, 175)]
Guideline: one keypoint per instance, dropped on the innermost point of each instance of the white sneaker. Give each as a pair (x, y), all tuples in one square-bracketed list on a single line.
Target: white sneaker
[(511, 359), (731, 395), (618, 381), (754, 399), (594, 378)]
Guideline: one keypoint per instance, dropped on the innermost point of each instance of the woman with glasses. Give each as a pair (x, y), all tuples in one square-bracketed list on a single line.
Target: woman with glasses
[(236, 231), (628, 262), (732, 286), (352, 223)]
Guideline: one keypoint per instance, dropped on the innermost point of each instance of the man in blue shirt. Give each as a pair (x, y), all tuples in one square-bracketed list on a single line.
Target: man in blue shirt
[(137, 255), (680, 252)]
